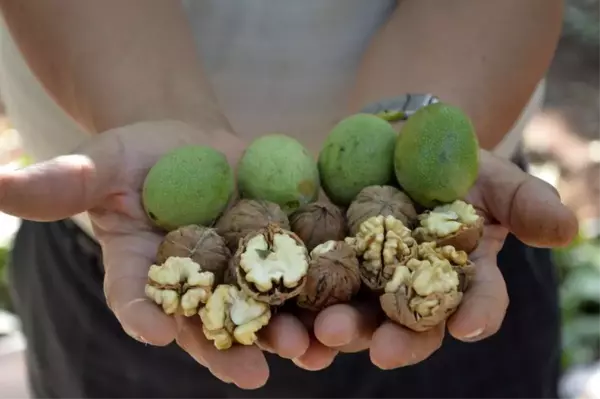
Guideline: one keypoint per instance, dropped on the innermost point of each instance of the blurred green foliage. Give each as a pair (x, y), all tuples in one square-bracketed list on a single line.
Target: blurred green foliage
[(4, 295), (581, 21), (579, 270)]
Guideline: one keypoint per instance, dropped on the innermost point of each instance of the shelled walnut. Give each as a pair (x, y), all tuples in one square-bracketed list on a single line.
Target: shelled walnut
[(271, 264), (317, 223), (380, 201), (179, 285), (456, 224), (231, 316), (201, 244), (333, 276), (427, 288), (381, 244), (247, 216)]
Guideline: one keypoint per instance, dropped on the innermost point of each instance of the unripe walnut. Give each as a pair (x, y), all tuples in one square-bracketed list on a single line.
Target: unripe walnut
[(247, 216), (380, 201), (201, 244), (317, 223)]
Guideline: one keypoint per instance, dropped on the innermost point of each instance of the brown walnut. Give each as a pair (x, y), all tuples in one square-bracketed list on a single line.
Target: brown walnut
[(456, 224), (380, 201), (201, 244), (333, 276), (428, 288), (271, 265), (317, 223), (247, 216), (382, 243)]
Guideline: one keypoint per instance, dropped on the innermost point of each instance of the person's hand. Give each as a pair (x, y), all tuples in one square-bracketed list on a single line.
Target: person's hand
[(105, 178), (511, 201)]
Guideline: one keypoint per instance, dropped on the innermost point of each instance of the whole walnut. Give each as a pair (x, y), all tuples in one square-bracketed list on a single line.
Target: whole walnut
[(201, 244), (333, 276), (380, 201), (247, 216), (317, 223)]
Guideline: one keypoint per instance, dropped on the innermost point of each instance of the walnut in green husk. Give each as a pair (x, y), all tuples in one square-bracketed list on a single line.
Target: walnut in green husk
[(380, 201), (333, 276), (271, 264), (317, 223), (381, 243), (201, 244), (247, 216), (456, 224), (231, 316), (179, 286), (427, 288)]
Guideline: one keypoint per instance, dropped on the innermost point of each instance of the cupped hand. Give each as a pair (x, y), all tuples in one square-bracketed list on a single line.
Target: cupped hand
[(510, 201), (105, 177)]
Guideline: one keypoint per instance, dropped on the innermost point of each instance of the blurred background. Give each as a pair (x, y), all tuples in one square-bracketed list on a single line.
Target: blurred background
[(562, 142)]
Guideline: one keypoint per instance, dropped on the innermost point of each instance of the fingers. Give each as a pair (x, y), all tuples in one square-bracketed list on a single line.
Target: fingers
[(127, 259), (286, 336), (50, 190), (526, 205), (345, 327), (244, 366), (394, 346), (317, 356), (484, 305)]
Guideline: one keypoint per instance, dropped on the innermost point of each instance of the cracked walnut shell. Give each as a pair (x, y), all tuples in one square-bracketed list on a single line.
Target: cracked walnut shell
[(201, 244), (179, 285), (380, 201), (456, 224), (271, 264), (381, 244), (317, 223), (333, 276), (428, 288), (246, 216), (230, 316)]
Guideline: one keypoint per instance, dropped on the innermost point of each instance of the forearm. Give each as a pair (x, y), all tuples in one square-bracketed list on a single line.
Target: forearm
[(110, 63), (484, 56)]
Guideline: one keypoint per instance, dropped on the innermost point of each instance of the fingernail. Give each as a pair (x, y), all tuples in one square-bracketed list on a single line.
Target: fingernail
[(473, 335)]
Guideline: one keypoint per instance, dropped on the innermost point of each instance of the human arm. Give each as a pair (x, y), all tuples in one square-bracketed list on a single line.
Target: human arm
[(486, 57), (112, 63)]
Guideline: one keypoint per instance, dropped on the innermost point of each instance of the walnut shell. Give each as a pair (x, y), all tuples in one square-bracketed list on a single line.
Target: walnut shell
[(405, 306), (295, 265), (464, 238), (333, 276), (380, 200), (317, 223), (201, 244), (246, 216)]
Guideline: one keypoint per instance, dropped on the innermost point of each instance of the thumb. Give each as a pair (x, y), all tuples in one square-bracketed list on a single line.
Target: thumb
[(57, 188), (529, 207)]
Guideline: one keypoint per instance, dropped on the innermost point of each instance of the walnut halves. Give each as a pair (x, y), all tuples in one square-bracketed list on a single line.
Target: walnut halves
[(428, 288)]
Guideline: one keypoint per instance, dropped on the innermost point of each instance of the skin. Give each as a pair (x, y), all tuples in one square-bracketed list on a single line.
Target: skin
[(503, 55)]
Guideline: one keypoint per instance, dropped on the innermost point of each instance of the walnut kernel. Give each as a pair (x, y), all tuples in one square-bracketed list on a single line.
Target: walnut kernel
[(230, 316), (380, 201), (246, 216), (456, 224), (271, 264), (427, 289), (317, 223), (382, 243), (333, 276), (201, 244), (179, 285)]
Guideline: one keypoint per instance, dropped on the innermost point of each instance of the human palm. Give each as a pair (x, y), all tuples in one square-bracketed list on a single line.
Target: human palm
[(105, 178)]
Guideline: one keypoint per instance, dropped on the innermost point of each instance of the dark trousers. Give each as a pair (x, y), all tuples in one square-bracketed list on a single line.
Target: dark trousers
[(76, 347)]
